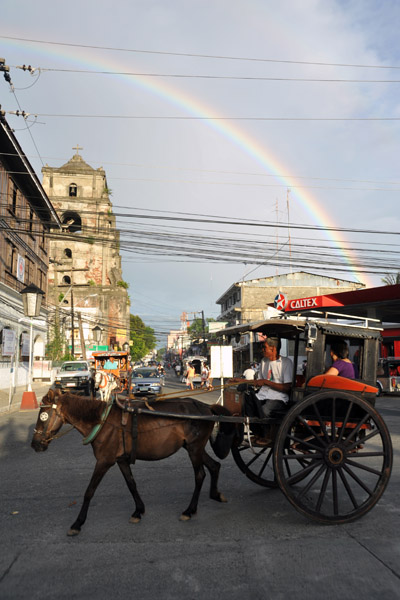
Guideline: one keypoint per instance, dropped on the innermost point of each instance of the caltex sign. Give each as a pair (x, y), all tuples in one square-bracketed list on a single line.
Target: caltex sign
[(280, 301)]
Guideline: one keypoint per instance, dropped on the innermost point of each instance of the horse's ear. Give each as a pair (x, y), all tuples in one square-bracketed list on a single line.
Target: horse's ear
[(50, 395)]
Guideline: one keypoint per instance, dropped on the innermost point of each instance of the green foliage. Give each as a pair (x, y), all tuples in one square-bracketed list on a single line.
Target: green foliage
[(56, 345), (107, 191), (61, 297), (391, 279), (123, 284), (91, 282), (143, 338), (90, 240), (196, 328)]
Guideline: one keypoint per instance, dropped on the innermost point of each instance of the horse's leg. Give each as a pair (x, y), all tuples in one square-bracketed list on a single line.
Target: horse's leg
[(99, 471), (213, 467), (195, 455), (130, 482)]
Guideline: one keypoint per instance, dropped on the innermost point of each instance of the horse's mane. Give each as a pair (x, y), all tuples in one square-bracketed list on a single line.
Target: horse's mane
[(83, 408)]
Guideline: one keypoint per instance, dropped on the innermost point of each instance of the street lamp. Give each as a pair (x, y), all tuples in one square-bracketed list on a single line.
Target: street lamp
[(32, 300), (97, 334)]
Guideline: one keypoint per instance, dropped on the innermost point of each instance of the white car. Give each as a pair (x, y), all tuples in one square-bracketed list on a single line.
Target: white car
[(75, 375)]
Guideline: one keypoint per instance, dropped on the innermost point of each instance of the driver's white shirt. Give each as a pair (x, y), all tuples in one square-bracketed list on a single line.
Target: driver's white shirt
[(280, 371)]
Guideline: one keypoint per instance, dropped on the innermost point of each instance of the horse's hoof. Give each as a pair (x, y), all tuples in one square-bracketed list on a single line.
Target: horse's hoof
[(134, 520), (184, 517), (72, 532)]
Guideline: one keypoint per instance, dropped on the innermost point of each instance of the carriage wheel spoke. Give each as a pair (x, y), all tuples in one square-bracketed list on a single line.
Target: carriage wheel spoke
[(302, 456), (364, 439), (266, 461), (255, 456), (357, 429), (305, 442), (310, 429), (335, 493), (364, 467), (345, 421), (358, 480), (323, 490), (321, 422), (365, 454), (348, 488), (317, 475), (333, 422), (299, 475)]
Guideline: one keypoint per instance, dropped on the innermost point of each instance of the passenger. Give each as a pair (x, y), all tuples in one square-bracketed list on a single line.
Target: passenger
[(341, 364)]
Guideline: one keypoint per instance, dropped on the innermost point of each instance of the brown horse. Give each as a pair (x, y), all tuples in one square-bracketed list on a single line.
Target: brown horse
[(157, 437)]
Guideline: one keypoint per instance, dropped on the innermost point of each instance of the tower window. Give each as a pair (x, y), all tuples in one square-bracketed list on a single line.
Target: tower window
[(67, 252), (73, 190), (66, 280)]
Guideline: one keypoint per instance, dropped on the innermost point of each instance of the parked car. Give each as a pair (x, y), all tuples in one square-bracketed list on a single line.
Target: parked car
[(76, 375), (146, 380), (388, 376)]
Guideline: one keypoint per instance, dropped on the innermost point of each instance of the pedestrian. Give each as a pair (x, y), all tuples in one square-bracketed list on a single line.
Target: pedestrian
[(190, 373), (204, 376), (249, 373)]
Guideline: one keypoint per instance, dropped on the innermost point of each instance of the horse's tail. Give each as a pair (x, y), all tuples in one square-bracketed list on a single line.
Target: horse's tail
[(224, 433)]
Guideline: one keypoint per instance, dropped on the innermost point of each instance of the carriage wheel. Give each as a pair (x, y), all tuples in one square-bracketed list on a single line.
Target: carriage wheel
[(255, 463), (333, 457)]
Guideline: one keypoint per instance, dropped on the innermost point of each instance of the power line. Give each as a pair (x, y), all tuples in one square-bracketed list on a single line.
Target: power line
[(210, 77), (215, 171), (209, 118), (193, 55)]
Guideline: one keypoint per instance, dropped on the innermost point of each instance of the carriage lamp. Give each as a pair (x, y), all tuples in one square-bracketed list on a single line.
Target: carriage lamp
[(311, 332), (125, 347)]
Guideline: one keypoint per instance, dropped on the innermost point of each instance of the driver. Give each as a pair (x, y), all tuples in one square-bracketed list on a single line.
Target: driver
[(274, 378)]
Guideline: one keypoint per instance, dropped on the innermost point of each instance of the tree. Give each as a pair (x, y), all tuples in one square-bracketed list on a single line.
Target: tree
[(391, 279), (196, 328), (143, 338)]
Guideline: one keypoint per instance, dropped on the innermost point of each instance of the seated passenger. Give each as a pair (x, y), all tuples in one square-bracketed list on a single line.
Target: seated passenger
[(341, 364)]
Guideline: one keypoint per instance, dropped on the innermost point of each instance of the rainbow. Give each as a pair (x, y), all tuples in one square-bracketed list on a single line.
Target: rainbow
[(236, 135)]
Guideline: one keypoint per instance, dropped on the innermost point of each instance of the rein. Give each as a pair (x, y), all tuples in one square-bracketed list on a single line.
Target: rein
[(184, 393)]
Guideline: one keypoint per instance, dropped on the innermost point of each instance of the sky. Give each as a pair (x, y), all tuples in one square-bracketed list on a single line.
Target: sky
[(237, 112)]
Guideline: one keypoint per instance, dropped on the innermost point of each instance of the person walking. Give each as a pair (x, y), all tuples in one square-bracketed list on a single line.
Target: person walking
[(204, 376), (190, 373)]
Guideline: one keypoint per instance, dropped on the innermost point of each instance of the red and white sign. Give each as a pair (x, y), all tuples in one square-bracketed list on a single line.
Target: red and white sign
[(280, 301), (302, 303), (21, 268)]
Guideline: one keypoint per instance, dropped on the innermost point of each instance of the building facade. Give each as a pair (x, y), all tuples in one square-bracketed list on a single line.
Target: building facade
[(248, 301), (85, 275), (26, 219)]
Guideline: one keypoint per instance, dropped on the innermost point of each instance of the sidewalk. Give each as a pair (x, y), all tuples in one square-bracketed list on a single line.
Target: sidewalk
[(39, 387)]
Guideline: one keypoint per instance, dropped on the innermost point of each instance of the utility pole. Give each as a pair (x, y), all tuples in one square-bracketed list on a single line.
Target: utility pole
[(83, 347), (204, 334), (72, 325)]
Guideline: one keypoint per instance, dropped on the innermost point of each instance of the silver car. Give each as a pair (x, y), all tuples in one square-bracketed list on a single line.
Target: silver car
[(146, 380)]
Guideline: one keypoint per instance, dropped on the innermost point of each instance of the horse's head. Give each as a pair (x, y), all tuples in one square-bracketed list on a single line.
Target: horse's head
[(49, 421)]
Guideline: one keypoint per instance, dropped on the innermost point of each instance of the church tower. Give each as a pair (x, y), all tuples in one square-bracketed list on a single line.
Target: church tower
[(85, 277)]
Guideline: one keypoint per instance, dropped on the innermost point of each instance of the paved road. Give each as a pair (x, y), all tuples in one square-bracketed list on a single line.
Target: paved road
[(256, 546)]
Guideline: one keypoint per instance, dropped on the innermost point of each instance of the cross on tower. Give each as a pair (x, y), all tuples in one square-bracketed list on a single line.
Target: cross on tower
[(77, 148)]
